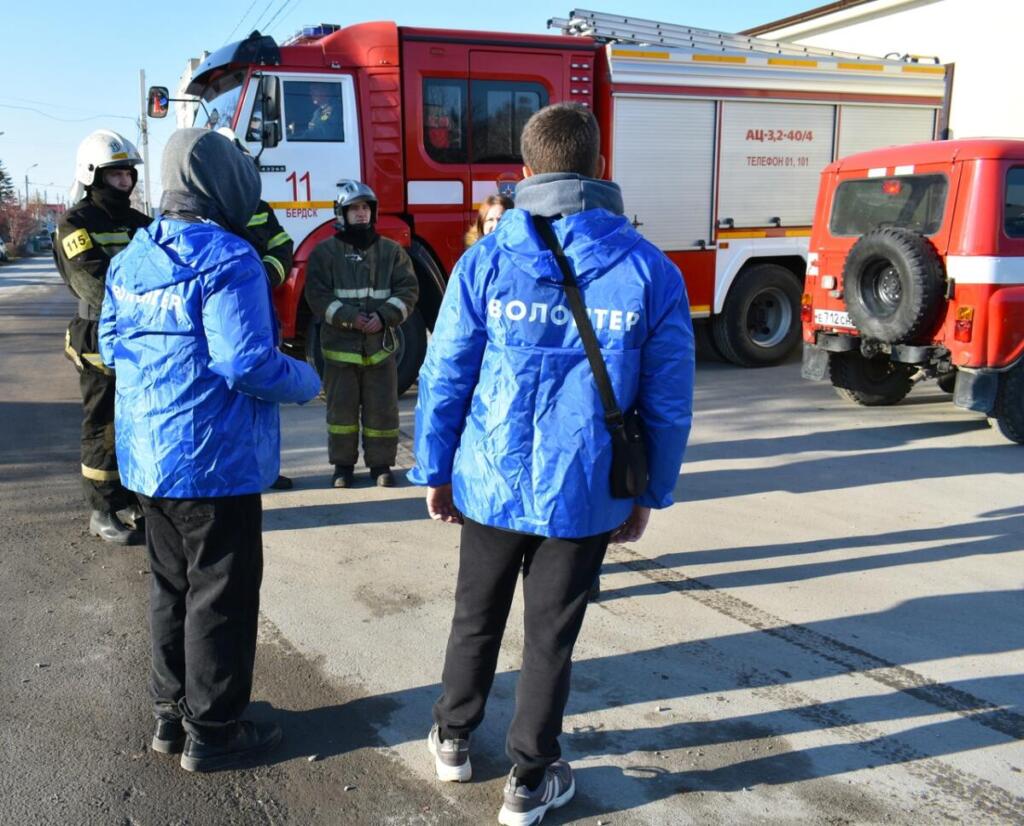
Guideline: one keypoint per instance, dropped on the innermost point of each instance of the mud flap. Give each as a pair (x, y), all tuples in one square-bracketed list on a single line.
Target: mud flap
[(815, 363), (976, 391)]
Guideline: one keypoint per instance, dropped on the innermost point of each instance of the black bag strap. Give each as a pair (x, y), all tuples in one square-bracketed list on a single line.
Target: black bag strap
[(612, 414)]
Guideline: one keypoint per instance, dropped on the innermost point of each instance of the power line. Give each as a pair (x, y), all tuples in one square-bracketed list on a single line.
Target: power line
[(256, 24), (239, 23), (63, 120), (277, 14)]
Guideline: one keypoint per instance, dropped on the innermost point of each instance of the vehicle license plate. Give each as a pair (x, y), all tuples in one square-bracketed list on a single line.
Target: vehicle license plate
[(833, 318)]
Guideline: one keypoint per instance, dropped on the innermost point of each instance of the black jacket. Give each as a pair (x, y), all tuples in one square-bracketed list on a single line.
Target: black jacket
[(87, 238), (274, 245)]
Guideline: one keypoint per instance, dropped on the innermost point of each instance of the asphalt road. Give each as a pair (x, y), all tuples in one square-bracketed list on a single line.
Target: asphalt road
[(828, 629)]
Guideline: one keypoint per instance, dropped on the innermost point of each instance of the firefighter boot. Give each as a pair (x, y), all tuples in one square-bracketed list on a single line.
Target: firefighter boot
[(343, 476), (383, 477), (110, 529)]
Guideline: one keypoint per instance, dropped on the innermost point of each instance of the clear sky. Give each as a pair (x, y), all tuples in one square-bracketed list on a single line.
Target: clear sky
[(68, 68)]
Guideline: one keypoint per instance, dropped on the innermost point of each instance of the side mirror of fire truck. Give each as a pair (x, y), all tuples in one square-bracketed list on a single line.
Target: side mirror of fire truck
[(157, 102), (270, 99)]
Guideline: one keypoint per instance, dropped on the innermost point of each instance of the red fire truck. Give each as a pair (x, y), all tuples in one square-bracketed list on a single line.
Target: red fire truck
[(717, 141)]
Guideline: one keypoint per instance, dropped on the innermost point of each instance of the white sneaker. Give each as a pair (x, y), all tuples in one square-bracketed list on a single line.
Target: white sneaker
[(523, 807), (451, 757)]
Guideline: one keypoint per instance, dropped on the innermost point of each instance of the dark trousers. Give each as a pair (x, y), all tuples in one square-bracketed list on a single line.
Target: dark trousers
[(206, 560), (369, 394), (100, 478), (557, 573)]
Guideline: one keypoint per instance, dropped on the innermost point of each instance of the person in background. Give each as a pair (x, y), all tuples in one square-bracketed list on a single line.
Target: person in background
[(487, 217), (89, 235), (361, 287), (188, 324), (512, 443)]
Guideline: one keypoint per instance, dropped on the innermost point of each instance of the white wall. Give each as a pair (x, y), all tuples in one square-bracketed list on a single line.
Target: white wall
[(984, 38)]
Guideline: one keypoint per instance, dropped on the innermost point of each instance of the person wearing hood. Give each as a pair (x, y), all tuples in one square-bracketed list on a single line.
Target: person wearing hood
[(513, 441), (89, 235), (360, 287), (188, 324)]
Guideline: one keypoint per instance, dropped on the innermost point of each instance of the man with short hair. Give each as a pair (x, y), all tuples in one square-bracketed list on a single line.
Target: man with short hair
[(512, 443)]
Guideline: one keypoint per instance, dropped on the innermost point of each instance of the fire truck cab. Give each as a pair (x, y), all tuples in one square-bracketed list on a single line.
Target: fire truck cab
[(716, 141)]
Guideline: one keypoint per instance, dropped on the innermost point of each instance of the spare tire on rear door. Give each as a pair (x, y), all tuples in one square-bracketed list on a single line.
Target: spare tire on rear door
[(894, 285)]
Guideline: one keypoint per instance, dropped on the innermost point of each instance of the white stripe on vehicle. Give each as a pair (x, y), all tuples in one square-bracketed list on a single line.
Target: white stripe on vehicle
[(985, 269), (434, 192)]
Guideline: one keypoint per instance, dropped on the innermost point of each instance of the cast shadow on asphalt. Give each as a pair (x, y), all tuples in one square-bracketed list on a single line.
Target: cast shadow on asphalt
[(836, 473), (997, 532), (667, 675), (346, 511)]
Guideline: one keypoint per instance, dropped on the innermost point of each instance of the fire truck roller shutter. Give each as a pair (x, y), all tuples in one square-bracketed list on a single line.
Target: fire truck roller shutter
[(894, 285), (663, 160)]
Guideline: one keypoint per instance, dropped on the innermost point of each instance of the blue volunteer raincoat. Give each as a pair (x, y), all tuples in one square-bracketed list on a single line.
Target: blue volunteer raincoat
[(188, 326), (508, 409)]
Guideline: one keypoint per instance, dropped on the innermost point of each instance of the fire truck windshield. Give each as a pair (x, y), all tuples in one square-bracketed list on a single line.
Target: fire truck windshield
[(221, 98)]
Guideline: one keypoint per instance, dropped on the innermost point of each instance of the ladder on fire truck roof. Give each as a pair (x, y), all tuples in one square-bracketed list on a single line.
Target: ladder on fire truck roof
[(615, 28)]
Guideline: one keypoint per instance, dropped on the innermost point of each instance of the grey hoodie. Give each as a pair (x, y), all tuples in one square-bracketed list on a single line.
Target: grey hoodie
[(206, 177), (566, 193)]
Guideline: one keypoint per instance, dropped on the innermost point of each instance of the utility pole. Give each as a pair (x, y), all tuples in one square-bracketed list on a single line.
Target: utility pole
[(145, 140)]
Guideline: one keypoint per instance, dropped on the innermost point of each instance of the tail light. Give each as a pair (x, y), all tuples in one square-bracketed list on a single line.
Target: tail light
[(964, 323), (806, 311)]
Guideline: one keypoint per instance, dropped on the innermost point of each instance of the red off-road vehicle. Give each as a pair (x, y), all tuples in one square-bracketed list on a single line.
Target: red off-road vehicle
[(916, 270)]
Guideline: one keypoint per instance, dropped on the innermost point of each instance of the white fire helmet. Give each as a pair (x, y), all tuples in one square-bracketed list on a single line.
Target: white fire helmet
[(229, 133), (103, 148)]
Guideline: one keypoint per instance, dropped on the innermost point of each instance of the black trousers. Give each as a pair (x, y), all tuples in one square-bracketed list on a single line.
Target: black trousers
[(100, 478), (557, 574), (206, 559)]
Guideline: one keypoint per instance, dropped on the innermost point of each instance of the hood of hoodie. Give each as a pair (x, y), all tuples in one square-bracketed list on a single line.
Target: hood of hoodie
[(170, 251), (588, 222), (205, 176)]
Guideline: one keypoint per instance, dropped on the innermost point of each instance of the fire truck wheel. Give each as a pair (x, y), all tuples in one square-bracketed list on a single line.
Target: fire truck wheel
[(869, 382), (412, 347), (314, 355), (1009, 411), (947, 382), (894, 285), (760, 322)]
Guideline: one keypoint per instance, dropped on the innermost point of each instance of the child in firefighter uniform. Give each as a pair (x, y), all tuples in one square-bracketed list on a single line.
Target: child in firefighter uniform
[(88, 236), (361, 287)]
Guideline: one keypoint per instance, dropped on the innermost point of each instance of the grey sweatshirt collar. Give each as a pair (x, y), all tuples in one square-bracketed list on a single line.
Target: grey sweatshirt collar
[(565, 193)]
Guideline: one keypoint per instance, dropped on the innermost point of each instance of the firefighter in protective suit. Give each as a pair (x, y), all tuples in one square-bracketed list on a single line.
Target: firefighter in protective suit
[(89, 235), (361, 287)]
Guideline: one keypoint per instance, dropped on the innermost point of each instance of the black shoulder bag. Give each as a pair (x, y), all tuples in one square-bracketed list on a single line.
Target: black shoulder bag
[(629, 449)]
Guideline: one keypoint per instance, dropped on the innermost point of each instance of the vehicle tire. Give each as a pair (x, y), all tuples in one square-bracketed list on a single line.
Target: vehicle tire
[(894, 285), (947, 382), (412, 347), (704, 341), (1009, 410), (873, 382), (760, 322), (314, 354)]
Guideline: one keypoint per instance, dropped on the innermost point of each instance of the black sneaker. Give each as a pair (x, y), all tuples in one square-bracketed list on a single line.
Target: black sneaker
[(169, 737), (383, 477), (247, 740), (343, 476), (451, 757), (111, 529), (523, 807), (282, 483)]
